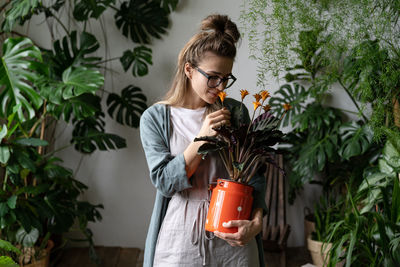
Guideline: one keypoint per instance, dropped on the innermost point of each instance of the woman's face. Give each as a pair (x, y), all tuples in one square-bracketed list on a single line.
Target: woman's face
[(199, 92)]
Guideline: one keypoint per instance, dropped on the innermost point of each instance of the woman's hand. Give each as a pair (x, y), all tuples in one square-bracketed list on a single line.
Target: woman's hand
[(214, 120), (247, 230)]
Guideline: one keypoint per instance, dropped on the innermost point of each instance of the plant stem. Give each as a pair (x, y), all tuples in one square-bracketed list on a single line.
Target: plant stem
[(113, 7), (40, 120), (107, 60), (352, 99), (5, 180), (222, 156), (5, 5), (56, 150), (60, 22)]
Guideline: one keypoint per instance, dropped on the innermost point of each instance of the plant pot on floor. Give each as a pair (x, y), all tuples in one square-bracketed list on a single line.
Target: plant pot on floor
[(309, 224), (319, 257), (230, 200), (45, 259)]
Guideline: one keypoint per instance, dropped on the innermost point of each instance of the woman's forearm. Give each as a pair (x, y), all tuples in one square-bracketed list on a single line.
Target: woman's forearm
[(192, 158)]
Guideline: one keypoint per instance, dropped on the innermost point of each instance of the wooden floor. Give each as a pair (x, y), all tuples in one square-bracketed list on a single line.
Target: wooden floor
[(133, 257), (110, 257)]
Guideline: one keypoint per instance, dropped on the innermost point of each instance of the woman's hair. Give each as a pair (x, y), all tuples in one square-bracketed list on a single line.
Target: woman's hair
[(219, 35)]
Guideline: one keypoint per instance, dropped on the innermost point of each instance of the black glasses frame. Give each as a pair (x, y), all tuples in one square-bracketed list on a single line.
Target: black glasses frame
[(220, 80)]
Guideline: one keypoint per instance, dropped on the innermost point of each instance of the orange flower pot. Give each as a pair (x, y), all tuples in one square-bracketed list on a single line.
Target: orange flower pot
[(230, 200)]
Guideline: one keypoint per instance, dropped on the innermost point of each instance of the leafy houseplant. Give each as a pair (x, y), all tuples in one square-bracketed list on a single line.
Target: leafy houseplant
[(357, 47), (376, 200), (244, 145), (39, 87)]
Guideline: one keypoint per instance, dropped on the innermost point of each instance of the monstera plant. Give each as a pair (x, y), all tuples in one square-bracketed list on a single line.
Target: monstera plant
[(41, 86)]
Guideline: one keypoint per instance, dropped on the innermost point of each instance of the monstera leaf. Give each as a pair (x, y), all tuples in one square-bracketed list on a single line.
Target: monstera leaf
[(18, 71), (18, 10), (129, 106), (141, 19), (315, 153), (83, 106), (86, 9), (293, 94), (88, 135), (168, 5), (80, 81), (317, 119), (71, 52), (139, 57), (356, 139)]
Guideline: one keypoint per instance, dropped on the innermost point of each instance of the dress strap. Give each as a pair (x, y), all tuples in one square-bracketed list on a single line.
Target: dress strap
[(199, 235)]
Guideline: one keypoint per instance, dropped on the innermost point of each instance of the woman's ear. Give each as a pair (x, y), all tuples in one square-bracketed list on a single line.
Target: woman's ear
[(188, 70)]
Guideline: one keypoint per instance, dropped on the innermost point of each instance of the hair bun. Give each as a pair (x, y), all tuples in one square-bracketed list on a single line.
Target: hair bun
[(221, 24)]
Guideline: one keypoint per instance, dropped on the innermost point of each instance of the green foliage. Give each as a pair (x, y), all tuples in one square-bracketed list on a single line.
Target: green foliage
[(7, 262), (69, 52), (168, 5), (39, 88), (373, 77), (88, 135), (128, 107), (140, 19), (19, 9), (85, 9), (138, 58), (18, 70), (356, 140), (27, 239), (245, 145), (345, 23), (7, 246)]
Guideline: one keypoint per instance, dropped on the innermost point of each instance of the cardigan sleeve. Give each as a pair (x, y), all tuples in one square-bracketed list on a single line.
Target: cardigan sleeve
[(167, 173)]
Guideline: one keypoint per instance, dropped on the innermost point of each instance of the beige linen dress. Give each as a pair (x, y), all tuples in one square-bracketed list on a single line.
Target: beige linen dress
[(182, 239)]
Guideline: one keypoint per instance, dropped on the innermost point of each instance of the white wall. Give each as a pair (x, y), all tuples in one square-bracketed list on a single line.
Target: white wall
[(119, 179)]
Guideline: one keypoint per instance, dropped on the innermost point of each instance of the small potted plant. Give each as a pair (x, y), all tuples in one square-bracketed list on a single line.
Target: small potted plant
[(244, 146)]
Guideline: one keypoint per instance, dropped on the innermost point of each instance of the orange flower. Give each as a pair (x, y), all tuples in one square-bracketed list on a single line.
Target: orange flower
[(267, 108), (222, 96), (256, 104), (244, 93), (287, 106), (257, 97), (264, 94)]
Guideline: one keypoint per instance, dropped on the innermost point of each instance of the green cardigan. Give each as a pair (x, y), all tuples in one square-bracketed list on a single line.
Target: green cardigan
[(168, 174)]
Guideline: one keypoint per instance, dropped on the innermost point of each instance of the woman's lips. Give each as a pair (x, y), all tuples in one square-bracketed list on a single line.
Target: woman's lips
[(214, 94)]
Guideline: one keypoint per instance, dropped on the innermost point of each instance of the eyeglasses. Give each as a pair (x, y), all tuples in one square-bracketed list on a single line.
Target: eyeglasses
[(215, 81)]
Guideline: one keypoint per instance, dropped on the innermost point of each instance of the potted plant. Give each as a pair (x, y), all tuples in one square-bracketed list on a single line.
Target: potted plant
[(325, 212), (39, 87), (360, 41), (243, 146)]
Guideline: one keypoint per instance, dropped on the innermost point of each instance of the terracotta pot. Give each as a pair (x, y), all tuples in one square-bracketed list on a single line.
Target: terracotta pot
[(44, 261), (229, 201), (320, 258)]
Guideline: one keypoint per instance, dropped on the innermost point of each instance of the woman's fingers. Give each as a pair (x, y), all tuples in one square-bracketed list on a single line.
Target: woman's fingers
[(244, 234)]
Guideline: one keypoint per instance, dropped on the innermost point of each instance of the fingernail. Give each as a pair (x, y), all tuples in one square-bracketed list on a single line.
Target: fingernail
[(224, 224)]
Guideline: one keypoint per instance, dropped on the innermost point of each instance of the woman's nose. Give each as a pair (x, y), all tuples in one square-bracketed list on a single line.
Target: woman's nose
[(221, 87)]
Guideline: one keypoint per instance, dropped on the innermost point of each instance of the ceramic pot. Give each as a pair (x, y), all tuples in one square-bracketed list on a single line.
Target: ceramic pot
[(230, 200)]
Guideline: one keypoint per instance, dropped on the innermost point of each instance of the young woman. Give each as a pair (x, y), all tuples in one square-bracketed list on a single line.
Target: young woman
[(191, 108)]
